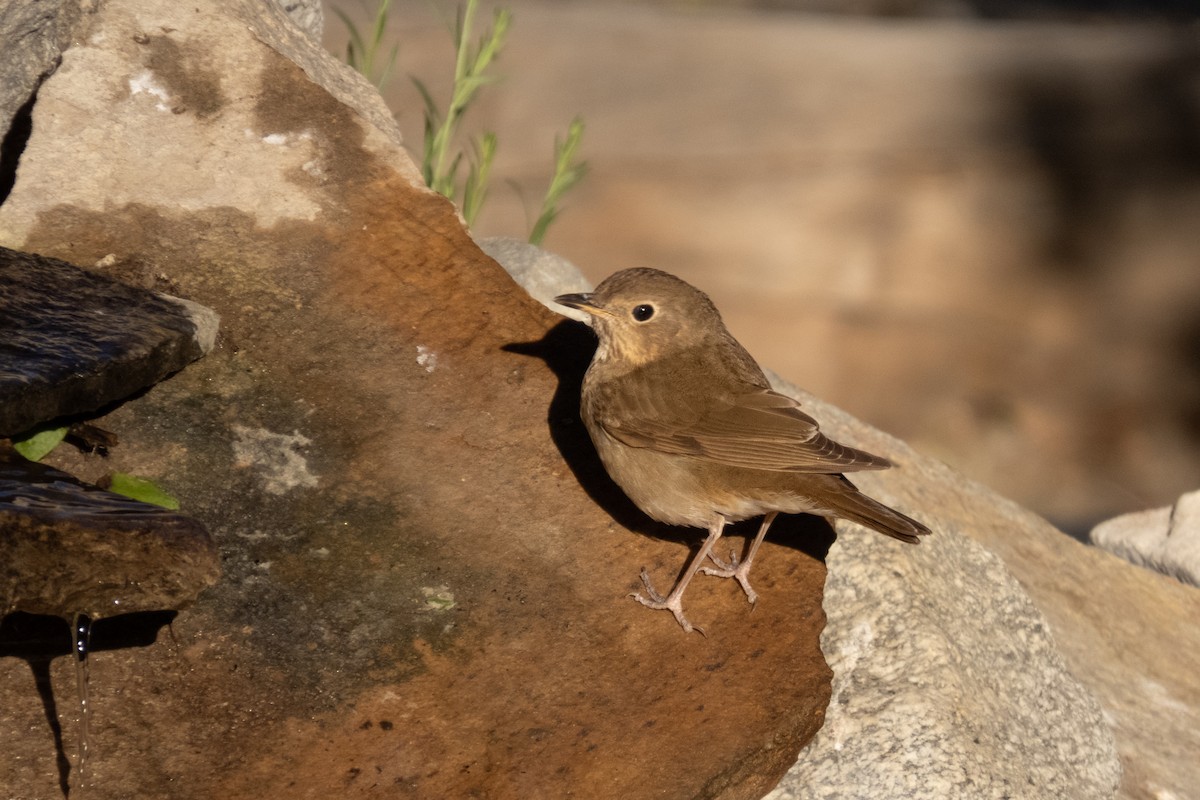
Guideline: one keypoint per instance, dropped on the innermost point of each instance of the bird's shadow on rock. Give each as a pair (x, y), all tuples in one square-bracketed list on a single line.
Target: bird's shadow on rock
[(567, 350)]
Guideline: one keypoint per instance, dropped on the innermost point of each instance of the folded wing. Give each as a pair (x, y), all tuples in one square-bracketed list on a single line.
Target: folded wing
[(756, 429)]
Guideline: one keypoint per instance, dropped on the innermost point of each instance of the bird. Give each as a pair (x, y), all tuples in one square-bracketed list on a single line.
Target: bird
[(687, 424)]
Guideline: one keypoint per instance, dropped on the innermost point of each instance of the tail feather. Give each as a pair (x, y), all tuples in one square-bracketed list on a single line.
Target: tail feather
[(855, 506)]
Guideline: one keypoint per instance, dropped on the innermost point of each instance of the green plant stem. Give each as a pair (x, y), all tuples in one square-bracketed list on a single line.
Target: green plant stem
[(439, 162), (361, 53), (470, 66), (476, 189), (566, 175)]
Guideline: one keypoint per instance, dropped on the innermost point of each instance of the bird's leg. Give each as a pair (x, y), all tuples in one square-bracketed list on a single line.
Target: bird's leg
[(674, 601), (741, 570)]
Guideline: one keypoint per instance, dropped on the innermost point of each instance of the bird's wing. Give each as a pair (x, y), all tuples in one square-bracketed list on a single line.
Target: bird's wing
[(757, 429)]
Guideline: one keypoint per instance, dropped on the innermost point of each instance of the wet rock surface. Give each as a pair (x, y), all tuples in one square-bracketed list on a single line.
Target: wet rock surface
[(73, 341), (425, 569), (68, 548)]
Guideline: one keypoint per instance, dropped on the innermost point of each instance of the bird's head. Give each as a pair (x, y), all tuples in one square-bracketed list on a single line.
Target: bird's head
[(642, 314)]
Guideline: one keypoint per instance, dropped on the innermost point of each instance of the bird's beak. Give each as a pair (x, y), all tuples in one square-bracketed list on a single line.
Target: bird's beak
[(583, 302)]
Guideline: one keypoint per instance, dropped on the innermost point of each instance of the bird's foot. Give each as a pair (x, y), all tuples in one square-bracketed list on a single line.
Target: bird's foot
[(672, 602), (725, 566), (740, 571)]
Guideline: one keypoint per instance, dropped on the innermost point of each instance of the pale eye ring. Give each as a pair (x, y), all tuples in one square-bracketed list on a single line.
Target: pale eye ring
[(643, 312)]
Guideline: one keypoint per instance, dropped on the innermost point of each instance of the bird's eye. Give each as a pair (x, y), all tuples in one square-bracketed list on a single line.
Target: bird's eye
[(643, 312)]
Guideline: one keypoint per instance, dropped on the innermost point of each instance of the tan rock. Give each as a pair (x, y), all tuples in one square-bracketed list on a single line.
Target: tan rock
[(1126, 633), (1166, 539)]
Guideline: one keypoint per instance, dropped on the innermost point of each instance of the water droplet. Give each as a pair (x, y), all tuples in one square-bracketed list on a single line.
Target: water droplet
[(81, 634)]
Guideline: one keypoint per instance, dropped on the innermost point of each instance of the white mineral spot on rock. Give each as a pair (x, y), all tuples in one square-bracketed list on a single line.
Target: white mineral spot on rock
[(426, 358), (274, 456), (144, 82), (275, 138), (438, 598)]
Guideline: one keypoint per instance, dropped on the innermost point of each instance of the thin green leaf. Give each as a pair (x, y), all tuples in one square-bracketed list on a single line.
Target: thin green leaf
[(355, 44), (538, 234), (493, 42), (363, 53), (470, 62), (566, 175), (385, 74), (431, 109), (476, 189), (381, 18), (36, 446), (141, 489)]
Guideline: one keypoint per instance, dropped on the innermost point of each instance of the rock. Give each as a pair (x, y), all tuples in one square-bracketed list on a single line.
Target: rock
[(948, 682), (425, 570), (1166, 539), (937, 652), (73, 341), (68, 548), (1124, 633), (309, 15), (34, 35), (543, 274), (1127, 634)]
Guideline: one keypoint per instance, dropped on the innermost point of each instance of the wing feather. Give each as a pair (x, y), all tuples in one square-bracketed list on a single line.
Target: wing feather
[(756, 429)]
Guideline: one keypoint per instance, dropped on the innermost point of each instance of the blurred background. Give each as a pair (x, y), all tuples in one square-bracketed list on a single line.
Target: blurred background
[(975, 225)]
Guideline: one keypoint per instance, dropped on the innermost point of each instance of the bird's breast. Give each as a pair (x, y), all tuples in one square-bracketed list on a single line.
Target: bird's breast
[(679, 490)]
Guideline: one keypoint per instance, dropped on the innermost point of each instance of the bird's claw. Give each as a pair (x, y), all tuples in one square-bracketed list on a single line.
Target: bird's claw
[(672, 603), (650, 590), (724, 566), (741, 572)]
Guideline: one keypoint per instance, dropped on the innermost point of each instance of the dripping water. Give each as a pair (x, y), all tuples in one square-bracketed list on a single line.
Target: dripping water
[(81, 634)]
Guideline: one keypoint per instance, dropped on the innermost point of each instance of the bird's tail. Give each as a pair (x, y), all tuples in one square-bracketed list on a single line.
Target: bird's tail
[(857, 507)]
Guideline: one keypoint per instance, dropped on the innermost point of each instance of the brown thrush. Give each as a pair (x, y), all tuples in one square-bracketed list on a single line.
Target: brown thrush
[(687, 424)]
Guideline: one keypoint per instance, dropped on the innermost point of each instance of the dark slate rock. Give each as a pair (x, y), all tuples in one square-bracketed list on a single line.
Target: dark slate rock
[(67, 547), (72, 341)]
